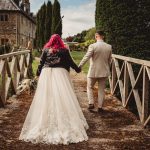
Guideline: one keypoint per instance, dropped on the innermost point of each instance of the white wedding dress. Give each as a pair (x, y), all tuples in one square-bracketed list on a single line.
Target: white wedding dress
[(55, 116)]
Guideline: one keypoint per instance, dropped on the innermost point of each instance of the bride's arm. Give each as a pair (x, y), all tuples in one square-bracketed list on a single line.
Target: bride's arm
[(72, 63), (42, 61)]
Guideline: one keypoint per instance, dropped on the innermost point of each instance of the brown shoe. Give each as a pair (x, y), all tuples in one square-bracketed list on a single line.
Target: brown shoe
[(91, 106)]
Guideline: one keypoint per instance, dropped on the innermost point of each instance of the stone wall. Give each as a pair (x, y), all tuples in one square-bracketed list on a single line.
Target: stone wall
[(26, 30), (18, 29), (8, 28)]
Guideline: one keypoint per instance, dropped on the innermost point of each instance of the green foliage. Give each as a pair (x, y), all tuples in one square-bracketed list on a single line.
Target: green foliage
[(82, 37), (36, 53), (78, 38), (42, 24), (89, 42), (48, 21), (77, 56), (56, 19), (35, 66), (90, 34), (40, 29), (81, 46), (127, 26)]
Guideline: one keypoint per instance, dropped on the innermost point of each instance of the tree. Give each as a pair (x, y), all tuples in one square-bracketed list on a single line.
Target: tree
[(43, 22), (40, 30), (48, 21), (56, 19), (90, 35), (37, 30), (127, 25)]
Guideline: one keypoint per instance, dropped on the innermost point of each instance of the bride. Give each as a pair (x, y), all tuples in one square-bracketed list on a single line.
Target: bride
[(55, 116)]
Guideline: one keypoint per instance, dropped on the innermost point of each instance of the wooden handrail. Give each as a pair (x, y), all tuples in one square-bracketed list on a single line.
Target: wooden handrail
[(14, 54), (13, 68), (133, 60), (123, 77)]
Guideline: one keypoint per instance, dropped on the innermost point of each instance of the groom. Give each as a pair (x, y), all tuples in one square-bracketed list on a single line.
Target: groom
[(99, 54)]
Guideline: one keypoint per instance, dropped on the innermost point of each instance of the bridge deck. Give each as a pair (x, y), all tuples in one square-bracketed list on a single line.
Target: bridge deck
[(116, 128)]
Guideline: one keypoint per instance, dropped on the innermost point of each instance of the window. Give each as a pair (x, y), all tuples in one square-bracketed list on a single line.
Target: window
[(3, 17), (4, 41), (6, 17)]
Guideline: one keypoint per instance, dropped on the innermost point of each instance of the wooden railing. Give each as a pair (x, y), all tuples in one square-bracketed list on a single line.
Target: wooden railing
[(130, 81), (13, 68)]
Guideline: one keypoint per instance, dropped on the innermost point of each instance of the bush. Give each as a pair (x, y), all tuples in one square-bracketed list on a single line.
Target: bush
[(36, 53), (90, 35), (81, 46), (127, 26)]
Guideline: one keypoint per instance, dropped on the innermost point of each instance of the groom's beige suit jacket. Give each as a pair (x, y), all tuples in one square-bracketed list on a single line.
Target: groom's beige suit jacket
[(99, 54)]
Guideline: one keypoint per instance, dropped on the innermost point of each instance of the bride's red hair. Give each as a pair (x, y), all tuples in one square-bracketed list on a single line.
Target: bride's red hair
[(55, 43)]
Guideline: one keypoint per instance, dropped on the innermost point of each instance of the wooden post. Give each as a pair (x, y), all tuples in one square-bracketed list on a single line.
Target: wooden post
[(3, 85), (145, 96), (114, 77), (21, 64), (14, 72), (126, 85), (10, 72)]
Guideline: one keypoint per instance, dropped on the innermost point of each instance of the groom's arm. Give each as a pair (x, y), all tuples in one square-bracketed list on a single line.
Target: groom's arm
[(87, 56)]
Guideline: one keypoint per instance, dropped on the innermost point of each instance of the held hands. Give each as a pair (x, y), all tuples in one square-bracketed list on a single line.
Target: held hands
[(79, 69)]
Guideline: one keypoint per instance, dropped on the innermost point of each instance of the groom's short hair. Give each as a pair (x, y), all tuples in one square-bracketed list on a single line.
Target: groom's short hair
[(101, 33)]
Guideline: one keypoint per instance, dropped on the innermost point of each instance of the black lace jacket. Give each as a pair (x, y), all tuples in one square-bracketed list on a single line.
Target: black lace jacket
[(61, 58)]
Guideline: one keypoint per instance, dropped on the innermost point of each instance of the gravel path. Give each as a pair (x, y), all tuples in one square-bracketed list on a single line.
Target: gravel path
[(115, 129)]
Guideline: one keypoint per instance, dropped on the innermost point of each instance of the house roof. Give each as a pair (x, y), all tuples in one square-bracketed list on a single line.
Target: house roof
[(8, 5)]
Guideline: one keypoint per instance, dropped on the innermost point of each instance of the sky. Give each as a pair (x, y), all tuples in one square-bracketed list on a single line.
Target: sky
[(79, 15)]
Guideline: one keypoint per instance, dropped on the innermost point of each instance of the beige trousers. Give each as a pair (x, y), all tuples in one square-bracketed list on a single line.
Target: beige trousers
[(101, 87)]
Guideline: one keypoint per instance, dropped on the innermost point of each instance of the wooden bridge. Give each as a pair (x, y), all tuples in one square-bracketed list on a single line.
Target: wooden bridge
[(116, 129), (13, 68), (131, 79)]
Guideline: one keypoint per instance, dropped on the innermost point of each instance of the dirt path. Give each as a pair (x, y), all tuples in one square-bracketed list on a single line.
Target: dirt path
[(115, 129)]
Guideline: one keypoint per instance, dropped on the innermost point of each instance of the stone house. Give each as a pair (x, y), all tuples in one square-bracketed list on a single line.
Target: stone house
[(17, 23)]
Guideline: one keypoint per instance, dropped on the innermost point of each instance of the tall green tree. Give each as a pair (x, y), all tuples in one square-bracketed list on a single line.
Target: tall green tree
[(40, 30), (56, 19), (90, 35), (37, 30), (126, 24), (48, 21), (43, 22)]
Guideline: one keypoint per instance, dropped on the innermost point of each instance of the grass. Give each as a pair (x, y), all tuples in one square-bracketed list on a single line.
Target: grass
[(76, 55), (35, 66), (35, 53)]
